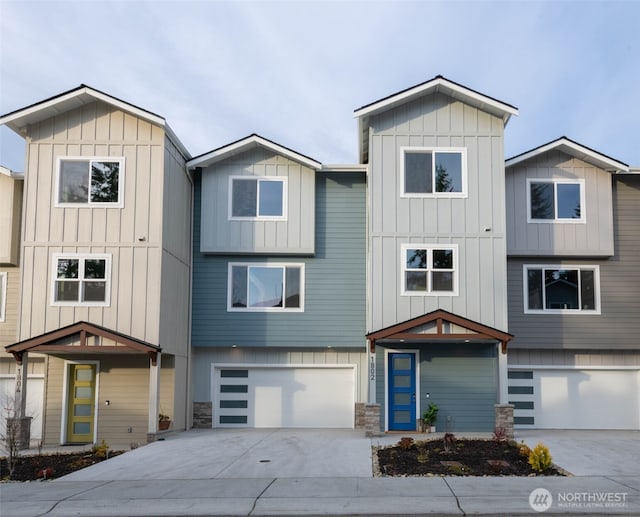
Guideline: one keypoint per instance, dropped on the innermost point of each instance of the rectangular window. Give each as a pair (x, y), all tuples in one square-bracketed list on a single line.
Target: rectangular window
[(81, 279), (90, 181), (266, 287), (561, 289), (555, 200), (439, 172), (429, 270), (257, 198), (3, 295)]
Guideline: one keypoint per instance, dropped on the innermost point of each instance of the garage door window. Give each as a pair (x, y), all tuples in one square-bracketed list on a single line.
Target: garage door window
[(561, 289), (266, 287)]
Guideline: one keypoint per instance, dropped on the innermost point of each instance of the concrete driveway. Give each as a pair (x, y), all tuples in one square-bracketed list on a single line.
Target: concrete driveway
[(333, 453), (241, 453)]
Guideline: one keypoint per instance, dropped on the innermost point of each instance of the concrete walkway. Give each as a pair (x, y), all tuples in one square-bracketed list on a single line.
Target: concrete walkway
[(307, 472)]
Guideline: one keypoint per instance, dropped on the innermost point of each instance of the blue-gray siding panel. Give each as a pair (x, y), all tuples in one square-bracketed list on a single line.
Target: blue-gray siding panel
[(334, 305), (461, 379)]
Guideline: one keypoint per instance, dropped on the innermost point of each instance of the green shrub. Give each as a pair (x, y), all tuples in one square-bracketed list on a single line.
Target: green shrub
[(101, 450), (540, 458)]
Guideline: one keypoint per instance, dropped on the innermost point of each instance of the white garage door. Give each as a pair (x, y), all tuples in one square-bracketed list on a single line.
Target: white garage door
[(284, 396), (587, 399)]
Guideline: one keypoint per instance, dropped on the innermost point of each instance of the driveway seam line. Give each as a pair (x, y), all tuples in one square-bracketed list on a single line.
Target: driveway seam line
[(260, 495), (55, 505), (219, 474), (454, 495)]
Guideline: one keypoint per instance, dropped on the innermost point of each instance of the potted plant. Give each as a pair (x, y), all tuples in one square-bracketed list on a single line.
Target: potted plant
[(164, 421), (429, 418)]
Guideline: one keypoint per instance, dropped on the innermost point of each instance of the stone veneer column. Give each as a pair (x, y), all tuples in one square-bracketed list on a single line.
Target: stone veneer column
[(202, 415), (372, 420), (504, 418)]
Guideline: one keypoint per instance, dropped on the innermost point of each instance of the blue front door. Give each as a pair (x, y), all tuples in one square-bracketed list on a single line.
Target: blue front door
[(402, 392)]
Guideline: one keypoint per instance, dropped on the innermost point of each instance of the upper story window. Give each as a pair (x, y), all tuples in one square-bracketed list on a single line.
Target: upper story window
[(90, 181), (555, 200), (429, 270), (266, 287), (561, 289), (81, 279), (257, 198), (433, 172), (3, 294)]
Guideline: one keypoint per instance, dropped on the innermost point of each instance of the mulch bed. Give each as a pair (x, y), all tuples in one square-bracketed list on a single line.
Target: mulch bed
[(464, 458), (50, 466)]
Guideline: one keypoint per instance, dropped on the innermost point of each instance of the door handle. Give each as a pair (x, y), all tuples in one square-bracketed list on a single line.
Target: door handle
[(413, 397)]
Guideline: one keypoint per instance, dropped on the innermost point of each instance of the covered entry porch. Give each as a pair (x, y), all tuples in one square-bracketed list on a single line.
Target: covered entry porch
[(99, 385), (441, 358)]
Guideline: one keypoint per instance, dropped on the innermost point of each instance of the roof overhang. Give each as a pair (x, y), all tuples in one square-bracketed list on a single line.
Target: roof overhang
[(12, 174), (21, 119), (50, 342), (245, 144), (572, 148), (439, 326), (438, 84)]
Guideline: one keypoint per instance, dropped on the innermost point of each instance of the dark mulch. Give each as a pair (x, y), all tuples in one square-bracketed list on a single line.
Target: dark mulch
[(50, 466), (464, 458)]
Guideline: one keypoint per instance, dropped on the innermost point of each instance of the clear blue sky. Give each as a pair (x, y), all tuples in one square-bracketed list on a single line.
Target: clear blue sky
[(295, 71)]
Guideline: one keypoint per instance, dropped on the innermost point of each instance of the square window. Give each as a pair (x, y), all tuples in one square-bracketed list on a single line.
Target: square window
[(90, 181), (429, 270), (555, 201), (257, 198), (81, 280), (437, 172), (266, 287), (561, 289)]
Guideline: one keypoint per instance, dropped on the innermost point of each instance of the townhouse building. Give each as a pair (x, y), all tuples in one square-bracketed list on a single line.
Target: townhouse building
[(255, 286)]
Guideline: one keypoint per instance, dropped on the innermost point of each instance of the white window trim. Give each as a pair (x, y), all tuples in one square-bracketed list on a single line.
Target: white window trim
[(433, 150), (281, 179), (4, 278), (430, 247), (581, 312), (556, 182), (81, 256), (279, 265), (89, 203)]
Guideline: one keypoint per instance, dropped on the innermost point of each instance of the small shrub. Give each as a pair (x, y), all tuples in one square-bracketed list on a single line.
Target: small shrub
[(500, 434), (449, 441), (524, 450), (101, 450), (405, 443), (540, 458), (423, 456)]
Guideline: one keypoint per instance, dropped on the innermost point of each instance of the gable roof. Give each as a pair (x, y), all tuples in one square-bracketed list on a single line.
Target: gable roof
[(244, 144), (431, 327), (572, 148), (437, 84), (20, 119)]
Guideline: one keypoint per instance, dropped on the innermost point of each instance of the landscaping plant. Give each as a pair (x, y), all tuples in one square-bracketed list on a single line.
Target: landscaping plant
[(540, 458)]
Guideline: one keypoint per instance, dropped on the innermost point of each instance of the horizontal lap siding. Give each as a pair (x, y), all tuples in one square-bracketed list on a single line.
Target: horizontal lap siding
[(618, 325), (334, 303)]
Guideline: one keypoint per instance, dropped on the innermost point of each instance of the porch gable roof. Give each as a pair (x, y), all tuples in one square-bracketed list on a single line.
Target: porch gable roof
[(439, 325), (48, 342)]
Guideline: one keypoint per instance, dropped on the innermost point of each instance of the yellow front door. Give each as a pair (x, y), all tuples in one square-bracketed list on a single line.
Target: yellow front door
[(81, 403)]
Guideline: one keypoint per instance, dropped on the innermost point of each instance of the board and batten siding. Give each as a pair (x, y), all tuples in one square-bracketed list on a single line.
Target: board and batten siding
[(133, 235), (293, 235), (592, 238), (334, 297), (618, 325), (8, 327), (10, 219), (475, 223)]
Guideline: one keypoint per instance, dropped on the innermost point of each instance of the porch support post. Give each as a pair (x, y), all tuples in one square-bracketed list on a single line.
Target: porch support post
[(154, 394), (20, 397), (371, 373), (503, 372)]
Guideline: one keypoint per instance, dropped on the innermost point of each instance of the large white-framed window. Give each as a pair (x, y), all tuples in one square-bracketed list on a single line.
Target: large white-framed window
[(261, 287), (433, 172), (257, 198), (81, 279), (560, 289), (90, 181), (555, 200), (3, 294), (429, 269)]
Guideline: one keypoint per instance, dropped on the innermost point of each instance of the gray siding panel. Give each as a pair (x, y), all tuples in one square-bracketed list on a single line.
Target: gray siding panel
[(334, 308), (594, 237), (618, 325)]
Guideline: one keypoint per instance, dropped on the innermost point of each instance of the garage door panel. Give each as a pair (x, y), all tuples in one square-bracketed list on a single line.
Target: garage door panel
[(587, 399), (286, 397)]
